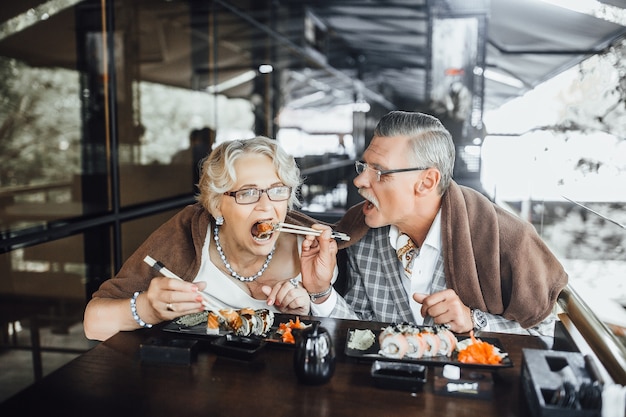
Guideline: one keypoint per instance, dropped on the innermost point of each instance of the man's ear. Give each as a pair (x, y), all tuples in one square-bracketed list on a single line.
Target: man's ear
[(430, 181)]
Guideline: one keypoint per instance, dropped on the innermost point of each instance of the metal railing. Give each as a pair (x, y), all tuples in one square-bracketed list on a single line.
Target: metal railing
[(609, 350)]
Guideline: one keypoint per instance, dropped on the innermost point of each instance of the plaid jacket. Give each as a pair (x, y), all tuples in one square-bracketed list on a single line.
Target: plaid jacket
[(375, 290)]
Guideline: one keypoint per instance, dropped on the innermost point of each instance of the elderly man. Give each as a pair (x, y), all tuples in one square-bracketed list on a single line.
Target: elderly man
[(427, 250)]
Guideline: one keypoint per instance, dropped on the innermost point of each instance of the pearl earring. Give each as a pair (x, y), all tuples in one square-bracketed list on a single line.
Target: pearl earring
[(219, 220)]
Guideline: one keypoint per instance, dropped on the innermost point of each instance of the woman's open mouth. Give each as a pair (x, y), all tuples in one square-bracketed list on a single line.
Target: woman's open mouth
[(262, 230)]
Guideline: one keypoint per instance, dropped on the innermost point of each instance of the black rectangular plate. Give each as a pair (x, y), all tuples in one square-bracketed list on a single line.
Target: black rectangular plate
[(372, 354), (199, 331)]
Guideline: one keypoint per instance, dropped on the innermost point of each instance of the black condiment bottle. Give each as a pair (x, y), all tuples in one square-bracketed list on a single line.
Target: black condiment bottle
[(314, 358)]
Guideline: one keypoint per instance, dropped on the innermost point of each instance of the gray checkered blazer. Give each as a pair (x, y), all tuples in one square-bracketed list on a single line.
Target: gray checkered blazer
[(375, 291)]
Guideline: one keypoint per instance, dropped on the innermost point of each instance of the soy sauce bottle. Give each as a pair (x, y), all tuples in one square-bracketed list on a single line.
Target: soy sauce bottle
[(314, 358)]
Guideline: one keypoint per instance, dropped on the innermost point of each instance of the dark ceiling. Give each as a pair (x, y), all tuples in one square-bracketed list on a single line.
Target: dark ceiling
[(387, 44), (418, 54)]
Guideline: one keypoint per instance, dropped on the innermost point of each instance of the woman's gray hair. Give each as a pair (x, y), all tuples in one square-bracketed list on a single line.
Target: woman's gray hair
[(430, 142), (219, 176)]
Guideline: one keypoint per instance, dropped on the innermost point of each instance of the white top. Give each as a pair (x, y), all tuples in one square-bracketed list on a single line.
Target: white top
[(223, 290)]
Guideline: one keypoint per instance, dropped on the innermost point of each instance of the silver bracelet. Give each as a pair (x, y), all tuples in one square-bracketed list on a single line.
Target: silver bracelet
[(133, 310), (317, 295)]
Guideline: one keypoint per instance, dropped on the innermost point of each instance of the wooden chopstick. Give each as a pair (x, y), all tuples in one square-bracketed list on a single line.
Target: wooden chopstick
[(301, 230)]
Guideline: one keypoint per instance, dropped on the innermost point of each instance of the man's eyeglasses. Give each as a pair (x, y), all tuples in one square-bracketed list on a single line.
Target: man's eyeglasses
[(252, 195), (362, 166)]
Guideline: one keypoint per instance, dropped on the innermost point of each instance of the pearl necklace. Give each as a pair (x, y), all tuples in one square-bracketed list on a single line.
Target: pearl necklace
[(216, 237)]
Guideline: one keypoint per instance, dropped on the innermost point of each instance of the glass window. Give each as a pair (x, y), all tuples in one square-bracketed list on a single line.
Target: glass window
[(40, 144), (134, 232), (169, 119)]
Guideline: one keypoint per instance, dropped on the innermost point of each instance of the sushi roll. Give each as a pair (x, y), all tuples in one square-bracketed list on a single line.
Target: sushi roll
[(417, 345), (393, 343), (267, 319), (244, 325), (232, 320), (448, 341), (433, 342), (254, 322), (213, 323)]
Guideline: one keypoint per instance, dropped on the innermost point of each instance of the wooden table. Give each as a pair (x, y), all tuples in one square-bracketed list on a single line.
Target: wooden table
[(110, 380)]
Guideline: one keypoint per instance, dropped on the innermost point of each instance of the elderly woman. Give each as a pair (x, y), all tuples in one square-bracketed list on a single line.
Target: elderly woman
[(215, 247)]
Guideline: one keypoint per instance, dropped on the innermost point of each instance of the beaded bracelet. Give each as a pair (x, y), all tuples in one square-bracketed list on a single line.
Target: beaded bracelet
[(317, 295), (133, 310)]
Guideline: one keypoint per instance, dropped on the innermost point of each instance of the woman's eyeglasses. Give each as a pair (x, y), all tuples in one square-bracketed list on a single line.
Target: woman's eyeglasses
[(362, 166), (252, 195)]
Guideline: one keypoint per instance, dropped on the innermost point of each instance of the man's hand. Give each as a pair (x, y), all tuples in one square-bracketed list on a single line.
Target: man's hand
[(445, 307)]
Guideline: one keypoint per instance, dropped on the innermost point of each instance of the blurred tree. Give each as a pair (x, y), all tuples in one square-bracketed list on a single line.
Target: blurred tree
[(596, 101), (39, 124)]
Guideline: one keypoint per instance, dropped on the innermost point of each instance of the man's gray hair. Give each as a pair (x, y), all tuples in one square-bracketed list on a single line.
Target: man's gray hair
[(430, 142)]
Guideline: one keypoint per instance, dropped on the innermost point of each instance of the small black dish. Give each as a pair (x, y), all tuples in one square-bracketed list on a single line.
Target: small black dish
[(237, 347), (399, 375), (170, 351)]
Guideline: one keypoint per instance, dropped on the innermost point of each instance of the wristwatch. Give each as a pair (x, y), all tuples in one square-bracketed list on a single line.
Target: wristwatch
[(479, 319)]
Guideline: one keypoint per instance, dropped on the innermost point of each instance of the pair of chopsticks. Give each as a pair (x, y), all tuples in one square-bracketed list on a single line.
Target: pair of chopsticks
[(159, 267), (301, 230)]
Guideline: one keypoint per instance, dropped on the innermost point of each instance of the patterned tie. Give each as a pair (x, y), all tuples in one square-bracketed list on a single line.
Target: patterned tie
[(407, 252)]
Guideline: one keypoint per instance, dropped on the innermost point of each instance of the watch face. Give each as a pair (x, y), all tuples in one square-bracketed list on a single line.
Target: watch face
[(480, 320)]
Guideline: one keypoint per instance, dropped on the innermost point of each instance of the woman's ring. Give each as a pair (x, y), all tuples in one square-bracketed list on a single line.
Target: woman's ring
[(294, 282), (169, 307)]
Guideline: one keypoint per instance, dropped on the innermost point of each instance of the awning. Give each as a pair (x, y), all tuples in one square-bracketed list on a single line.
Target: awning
[(379, 49)]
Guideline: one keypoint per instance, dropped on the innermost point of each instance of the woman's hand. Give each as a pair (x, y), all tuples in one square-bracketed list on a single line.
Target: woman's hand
[(170, 298), (289, 297), (106, 316), (318, 260)]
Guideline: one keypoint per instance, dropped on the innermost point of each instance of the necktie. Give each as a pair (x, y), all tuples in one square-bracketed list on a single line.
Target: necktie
[(406, 252)]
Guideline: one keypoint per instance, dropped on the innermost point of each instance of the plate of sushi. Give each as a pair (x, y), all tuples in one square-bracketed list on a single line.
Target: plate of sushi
[(429, 345), (212, 324), (245, 322)]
